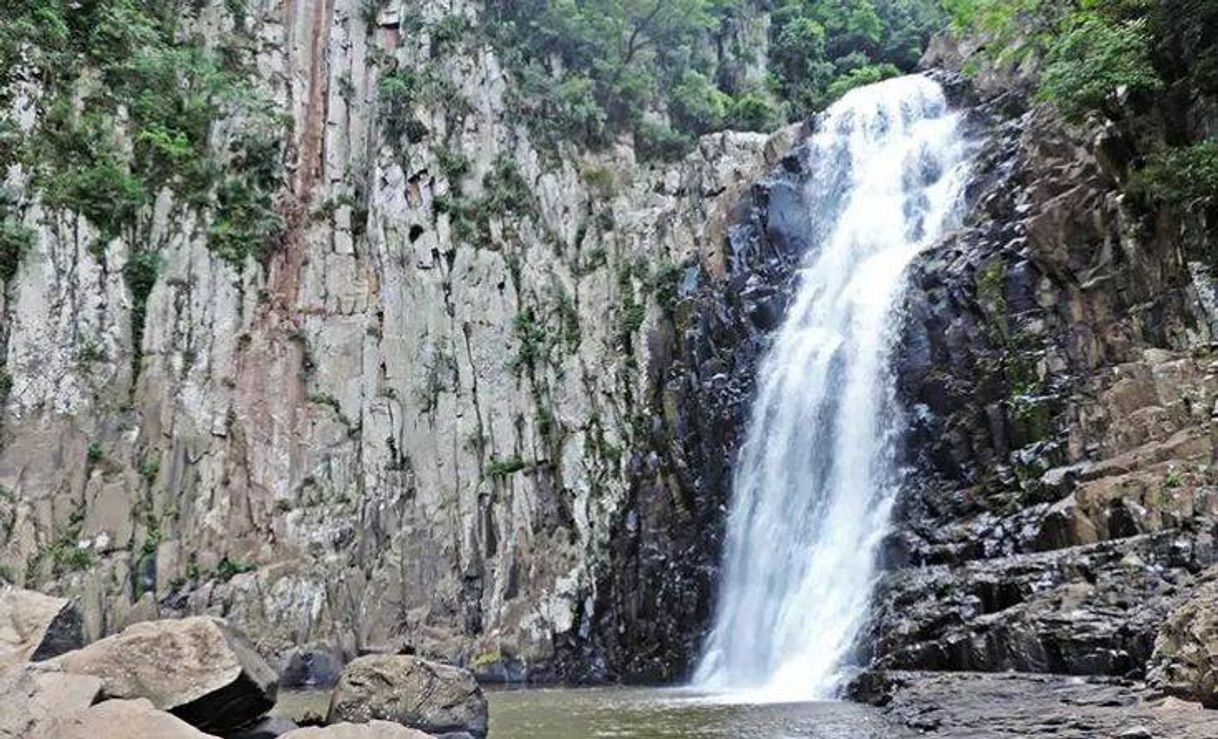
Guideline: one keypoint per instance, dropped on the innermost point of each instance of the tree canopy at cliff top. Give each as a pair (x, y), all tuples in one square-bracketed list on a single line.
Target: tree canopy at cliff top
[(668, 70)]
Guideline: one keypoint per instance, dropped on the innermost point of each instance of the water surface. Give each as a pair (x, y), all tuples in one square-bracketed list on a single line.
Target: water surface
[(640, 713)]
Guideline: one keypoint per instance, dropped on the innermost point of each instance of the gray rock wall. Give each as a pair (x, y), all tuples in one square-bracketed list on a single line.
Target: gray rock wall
[(392, 434)]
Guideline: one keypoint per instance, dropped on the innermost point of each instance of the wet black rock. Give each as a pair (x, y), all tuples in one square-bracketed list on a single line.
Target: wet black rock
[(990, 706), (666, 548)]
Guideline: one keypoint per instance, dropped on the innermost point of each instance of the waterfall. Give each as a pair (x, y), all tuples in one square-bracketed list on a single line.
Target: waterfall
[(816, 477)]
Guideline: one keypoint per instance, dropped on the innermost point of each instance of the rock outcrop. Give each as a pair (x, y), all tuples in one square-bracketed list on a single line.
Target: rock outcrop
[(34, 696), (433, 698), (130, 719), (405, 424), (998, 706), (1185, 659), (36, 627), (667, 540), (370, 730), (198, 669), (1059, 378)]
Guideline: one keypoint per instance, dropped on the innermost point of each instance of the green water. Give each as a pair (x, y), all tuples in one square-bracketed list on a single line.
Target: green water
[(638, 713), (630, 713)]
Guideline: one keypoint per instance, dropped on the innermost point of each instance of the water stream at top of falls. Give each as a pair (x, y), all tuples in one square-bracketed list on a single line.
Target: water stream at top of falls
[(817, 475)]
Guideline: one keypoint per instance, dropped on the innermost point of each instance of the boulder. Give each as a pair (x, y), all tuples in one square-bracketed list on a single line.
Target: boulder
[(952, 705), (200, 669), (32, 696), (36, 627), (310, 668), (414, 692), (370, 730), (266, 728), (129, 719), (1185, 658)]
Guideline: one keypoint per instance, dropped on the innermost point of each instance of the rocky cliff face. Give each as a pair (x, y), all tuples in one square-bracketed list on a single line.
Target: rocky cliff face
[(1058, 367), (414, 424), (483, 400)]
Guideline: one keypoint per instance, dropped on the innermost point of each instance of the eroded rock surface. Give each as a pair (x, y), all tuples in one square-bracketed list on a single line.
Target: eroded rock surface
[(130, 719), (36, 627), (34, 696), (199, 669), (392, 429), (1057, 367), (370, 730), (1002, 706), (1185, 659), (410, 691)]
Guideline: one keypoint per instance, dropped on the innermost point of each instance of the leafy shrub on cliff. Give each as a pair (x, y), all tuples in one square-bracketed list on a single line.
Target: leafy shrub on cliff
[(753, 111), (1185, 176), (1094, 57), (15, 241), (1092, 48), (698, 105), (130, 105)]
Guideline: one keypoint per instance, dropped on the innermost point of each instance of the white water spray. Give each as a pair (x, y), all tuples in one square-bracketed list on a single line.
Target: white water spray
[(816, 477)]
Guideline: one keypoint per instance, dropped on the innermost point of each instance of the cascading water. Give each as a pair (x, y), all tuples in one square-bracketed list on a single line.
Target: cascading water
[(816, 477)]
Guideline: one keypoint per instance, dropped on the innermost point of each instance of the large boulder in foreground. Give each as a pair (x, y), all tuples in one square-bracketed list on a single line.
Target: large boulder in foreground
[(34, 696), (1185, 659), (129, 719), (431, 697), (36, 627), (370, 730), (200, 669)]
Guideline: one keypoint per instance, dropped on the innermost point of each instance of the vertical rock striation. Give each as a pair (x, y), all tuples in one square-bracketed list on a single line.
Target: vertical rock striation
[(415, 424)]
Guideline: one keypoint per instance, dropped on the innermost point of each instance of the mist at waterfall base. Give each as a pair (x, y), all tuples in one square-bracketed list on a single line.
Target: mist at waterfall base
[(816, 477)]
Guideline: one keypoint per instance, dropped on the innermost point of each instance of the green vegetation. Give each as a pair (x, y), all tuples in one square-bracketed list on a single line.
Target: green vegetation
[(230, 568), (149, 469), (588, 70), (821, 49), (140, 576), (96, 452), (64, 553), (192, 568), (1095, 56), (140, 273), (533, 339), (665, 284), (15, 240), (129, 64), (1152, 50), (1173, 478), (500, 468), (486, 660), (505, 192), (402, 90), (631, 311), (1186, 176)]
